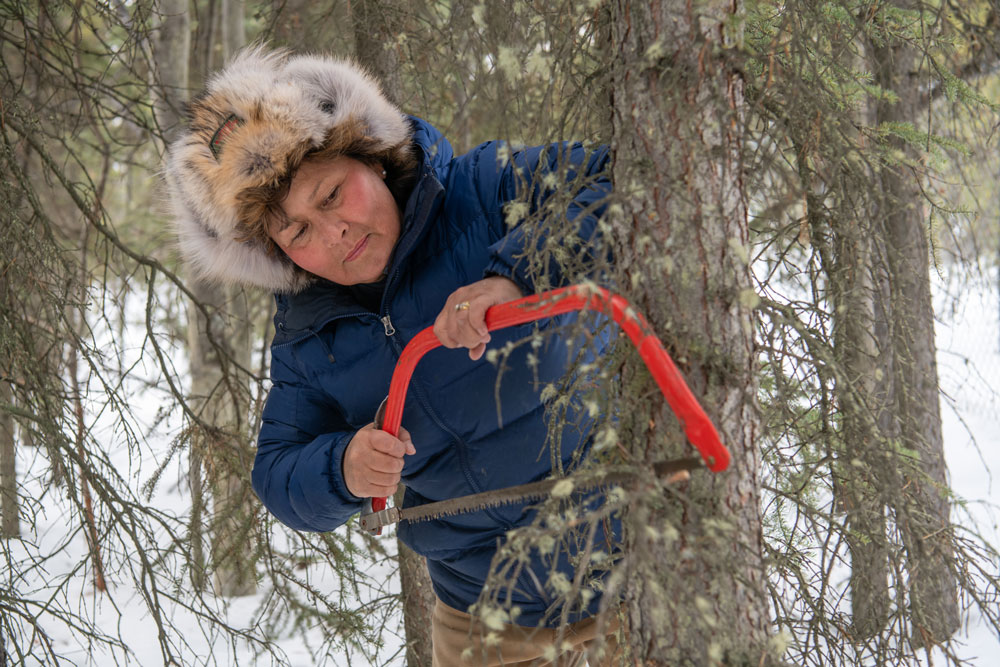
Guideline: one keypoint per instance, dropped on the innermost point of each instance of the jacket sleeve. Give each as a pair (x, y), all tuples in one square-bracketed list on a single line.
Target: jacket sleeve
[(515, 186), (297, 472)]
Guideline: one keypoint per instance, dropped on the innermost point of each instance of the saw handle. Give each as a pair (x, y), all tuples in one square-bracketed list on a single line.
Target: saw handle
[(697, 426)]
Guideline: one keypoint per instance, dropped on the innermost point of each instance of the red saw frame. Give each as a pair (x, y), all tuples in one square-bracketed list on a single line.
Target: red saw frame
[(696, 424)]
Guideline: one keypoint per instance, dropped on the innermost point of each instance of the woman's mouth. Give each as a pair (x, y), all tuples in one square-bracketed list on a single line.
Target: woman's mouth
[(357, 250)]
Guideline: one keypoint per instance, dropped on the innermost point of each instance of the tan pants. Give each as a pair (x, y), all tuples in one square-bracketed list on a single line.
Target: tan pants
[(461, 641)]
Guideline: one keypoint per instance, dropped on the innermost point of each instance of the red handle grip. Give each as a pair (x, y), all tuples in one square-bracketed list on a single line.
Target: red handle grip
[(697, 426)]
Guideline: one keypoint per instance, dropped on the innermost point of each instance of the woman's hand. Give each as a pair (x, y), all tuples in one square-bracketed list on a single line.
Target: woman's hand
[(462, 321), (373, 461)]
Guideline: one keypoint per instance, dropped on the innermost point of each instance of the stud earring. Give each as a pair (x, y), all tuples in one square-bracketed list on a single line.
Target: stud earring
[(383, 173)]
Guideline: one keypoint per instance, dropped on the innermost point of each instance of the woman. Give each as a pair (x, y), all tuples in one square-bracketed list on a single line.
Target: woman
[(297, 176)]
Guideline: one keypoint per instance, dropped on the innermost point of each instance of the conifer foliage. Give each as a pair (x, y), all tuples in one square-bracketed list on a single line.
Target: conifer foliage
[(788, 177)]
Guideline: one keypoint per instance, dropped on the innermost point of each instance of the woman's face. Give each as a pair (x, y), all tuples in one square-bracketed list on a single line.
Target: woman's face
[(342, 222)]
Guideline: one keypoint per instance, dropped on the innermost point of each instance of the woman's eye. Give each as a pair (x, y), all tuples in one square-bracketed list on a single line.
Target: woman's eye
[(332, 196), (300, 233)]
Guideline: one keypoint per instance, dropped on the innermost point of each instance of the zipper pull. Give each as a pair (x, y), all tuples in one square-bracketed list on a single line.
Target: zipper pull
[(387, 323)]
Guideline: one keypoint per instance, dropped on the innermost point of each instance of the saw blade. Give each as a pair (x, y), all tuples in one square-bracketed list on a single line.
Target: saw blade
[(534, 491)]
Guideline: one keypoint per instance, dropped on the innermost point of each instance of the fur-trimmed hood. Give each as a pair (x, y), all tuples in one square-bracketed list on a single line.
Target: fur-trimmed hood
[(256, 120)]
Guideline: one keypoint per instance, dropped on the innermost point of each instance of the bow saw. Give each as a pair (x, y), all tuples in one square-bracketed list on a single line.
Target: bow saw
[(697, 426)]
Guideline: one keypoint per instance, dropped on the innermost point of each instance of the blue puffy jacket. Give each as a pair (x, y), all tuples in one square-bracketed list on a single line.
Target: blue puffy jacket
[(332, 361)]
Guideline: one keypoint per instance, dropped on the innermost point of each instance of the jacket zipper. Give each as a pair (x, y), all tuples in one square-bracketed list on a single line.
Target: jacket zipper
[(421, 398), (386, 321)]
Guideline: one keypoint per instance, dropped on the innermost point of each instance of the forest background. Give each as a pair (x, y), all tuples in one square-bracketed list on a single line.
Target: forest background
[(791, 179)]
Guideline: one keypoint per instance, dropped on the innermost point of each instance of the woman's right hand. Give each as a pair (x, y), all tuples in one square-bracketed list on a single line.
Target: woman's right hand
[(373, 461)]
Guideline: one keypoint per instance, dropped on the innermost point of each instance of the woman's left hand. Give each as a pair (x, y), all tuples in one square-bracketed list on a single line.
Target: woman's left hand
[(462, 321)]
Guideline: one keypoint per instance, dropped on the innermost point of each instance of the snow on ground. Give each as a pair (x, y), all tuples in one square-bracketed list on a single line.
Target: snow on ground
[(968, 337), (968, 340), (123, 612)]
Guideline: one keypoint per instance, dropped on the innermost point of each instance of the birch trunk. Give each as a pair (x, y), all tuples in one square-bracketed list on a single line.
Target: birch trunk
[(695, 580)]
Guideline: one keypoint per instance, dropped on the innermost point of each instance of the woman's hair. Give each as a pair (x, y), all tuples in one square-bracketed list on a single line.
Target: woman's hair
[(260, 207)]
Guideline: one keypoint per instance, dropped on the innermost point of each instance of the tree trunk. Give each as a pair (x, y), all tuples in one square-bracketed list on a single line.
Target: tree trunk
[(842, 236), (843, 241), (89, 517), (677, 125), (921, 489), (171, 45), (318, 27), (418, 600), (376, 27), (10, 521), (289, 27), (218, 347), (225, 454), (861, 402), (234, 34), (196, 534)]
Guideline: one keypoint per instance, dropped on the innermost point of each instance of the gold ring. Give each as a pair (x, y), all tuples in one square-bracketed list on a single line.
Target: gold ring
[(462, 306)]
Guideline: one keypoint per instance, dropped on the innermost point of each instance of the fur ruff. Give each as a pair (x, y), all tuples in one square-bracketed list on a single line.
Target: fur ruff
[(287, 106)]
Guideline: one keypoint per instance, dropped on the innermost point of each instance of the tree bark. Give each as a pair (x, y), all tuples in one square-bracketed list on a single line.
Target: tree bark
[(920, 484), (290, 21), (319, 27), (234, 31), (418, 600), (171, 45), (220, 452), (677, 123), (377, 23), (861, 402), (843, 238), (218, 346), (10, 523), (89, 517)]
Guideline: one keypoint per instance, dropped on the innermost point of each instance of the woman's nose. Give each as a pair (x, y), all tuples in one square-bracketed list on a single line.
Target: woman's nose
[(334, 231)]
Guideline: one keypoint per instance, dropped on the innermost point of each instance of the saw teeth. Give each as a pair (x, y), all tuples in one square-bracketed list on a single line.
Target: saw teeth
[(536, 491), (499, 502)]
